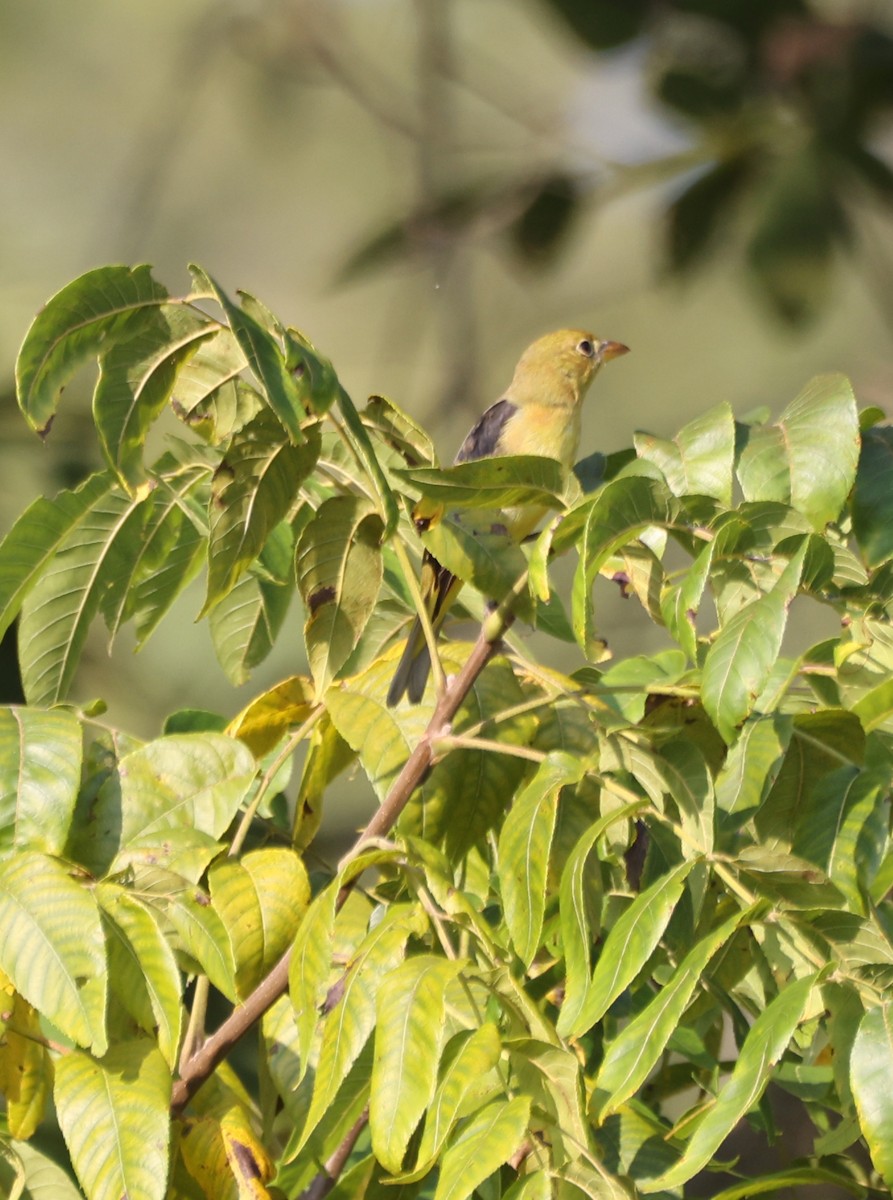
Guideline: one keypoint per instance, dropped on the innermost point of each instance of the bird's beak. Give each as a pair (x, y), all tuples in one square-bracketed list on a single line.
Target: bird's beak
[(609, 350)]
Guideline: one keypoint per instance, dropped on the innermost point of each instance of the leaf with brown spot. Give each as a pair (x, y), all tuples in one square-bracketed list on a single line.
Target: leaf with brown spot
[(339, 569)]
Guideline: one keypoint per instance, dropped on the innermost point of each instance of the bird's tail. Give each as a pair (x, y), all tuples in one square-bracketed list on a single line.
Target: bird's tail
[(440, 588), (413, 669)]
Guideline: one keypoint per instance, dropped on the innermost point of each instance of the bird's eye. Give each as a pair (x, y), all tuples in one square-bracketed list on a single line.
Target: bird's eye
[(586, 347)]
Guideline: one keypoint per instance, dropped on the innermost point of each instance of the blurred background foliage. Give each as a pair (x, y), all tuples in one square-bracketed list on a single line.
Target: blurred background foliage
[(423, 186)]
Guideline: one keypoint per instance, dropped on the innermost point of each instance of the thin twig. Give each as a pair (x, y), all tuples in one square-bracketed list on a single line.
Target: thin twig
[(460, 741)]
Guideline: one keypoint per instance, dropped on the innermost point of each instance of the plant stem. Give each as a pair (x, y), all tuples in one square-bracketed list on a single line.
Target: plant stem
[(334, 1165), (457, 741)]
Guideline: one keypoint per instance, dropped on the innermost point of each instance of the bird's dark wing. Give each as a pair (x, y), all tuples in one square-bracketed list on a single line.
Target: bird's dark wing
[(483, 440)]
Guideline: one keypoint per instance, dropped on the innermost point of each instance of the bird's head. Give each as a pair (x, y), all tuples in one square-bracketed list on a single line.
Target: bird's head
[(558, 367)]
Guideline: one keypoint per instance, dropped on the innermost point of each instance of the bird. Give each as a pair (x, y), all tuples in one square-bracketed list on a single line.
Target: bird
[(539, 413)]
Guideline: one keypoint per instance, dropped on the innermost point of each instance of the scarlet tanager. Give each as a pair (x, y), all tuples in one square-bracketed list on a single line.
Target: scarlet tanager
[(539, 413)]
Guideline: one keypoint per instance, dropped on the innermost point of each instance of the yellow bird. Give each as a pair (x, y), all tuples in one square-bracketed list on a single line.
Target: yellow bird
[(540, 413)]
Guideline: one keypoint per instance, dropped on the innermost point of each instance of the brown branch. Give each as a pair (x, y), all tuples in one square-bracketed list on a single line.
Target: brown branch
[(328, 1176), (218, 1045)]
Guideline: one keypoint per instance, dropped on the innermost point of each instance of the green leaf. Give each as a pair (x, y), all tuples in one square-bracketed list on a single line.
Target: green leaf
[(339, 569), (397, 429), (752, 765), (246, 622), (277, 1044), (189, 781), (619, 514), (273, 714), (551, 1077), (12, 1171), (45, 1179), (265, 358), (633, 1142), (143, 972), (336, 1125), (469, 1057), (855, 941), (210, 396), (488, 1140), (765, 1043), (382, 737), (260, 899), (203, 937), (114, 1116), (688, 780), (52, 945), (739, 663), (36, 536), (787, 880), (26, 1069), (587, 1175), (809, 459), (40, 773), (478, 550), (631, 1056), (793, 1177), (252, 491), (835, 830), (536, 1186), (90, 314), (574, 895), (506, 481), (699, 460), (871, 1067), (629, 685), (59, 608), (872, 503), (328, 754), (411, 1015), (524, 845), (360, 441), (680, 604), (167, 558), (350, 1021), (627, 949), (818, 742), (875, 707), (136, 378), (310, 968), (312, 372)]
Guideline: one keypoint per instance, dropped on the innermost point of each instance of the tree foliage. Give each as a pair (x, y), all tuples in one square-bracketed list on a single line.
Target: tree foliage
[(779, 103), (595, 916)]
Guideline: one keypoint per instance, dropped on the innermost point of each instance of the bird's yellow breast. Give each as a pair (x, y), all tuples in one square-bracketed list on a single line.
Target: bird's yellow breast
[(546, 429)]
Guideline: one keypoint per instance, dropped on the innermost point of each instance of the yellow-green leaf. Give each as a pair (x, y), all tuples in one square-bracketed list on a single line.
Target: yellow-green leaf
[(52, 945), (488, 1140), (871, 1069), (260, 899), (339, 569), (524, 846), (40, 770), (114, 1116), (411, 1016)]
